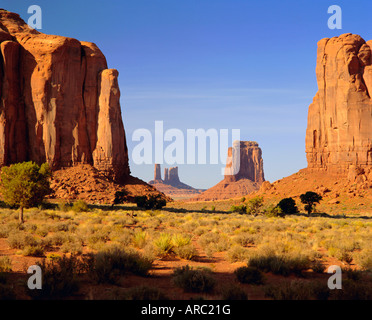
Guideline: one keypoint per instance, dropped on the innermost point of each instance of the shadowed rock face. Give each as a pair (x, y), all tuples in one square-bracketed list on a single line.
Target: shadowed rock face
[(339, 132), (59, 102)]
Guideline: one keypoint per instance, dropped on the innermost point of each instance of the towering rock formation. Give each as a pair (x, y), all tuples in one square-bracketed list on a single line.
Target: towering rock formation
[(166, 175), (249, 165), (244, 173), (339, 133), (157, 173), (173, 178), (58, 102)]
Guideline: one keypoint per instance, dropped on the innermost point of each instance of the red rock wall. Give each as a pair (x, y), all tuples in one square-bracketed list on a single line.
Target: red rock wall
[(59, 102), (339, 133)]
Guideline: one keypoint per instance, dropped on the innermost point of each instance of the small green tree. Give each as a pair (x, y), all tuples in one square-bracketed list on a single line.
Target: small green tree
[(25, 185), (254, 205), (288, 206), (310, 199)]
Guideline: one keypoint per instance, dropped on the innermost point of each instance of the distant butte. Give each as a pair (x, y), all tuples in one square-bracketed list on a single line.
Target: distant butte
[(248, 179), (171, 185)]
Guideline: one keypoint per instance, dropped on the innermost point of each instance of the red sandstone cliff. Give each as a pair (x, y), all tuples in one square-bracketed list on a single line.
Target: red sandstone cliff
[(59, 102), (339, 132)]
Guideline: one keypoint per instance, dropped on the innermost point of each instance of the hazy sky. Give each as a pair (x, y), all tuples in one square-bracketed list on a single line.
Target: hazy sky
[(231, 64)]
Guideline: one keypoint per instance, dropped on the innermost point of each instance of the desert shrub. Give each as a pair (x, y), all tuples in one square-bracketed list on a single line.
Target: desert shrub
[(109, 265), (364, 259), (353, 290), (7, 292), (4, 230), (80, 206), (5, 264), (20, 240), (196, 281), (274, 212), (187, 252), (239, 209), (64, 206), (318, 267), (140, 239), (237, 253), (288, 206), (249, 275), (245, 240), (180, 240), (164, 244), (297, 290), (233, 293), (56, 239), (73, 246), (254, 206), (142, 293), (283, 264), (150, 202), (209, 238), (59, 278), (354, 275), (344, 256), (34, 251)]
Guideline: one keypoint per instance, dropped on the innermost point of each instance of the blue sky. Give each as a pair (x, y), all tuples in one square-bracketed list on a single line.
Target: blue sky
[(223, 64)]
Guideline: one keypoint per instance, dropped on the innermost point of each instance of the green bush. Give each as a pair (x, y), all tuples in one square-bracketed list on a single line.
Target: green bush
[(249, 275), (274, 212), (25, 185), (121, 196), (288, 206), (310, 199), (254, 206), (150, 202), (239, 209), (196, 281)]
